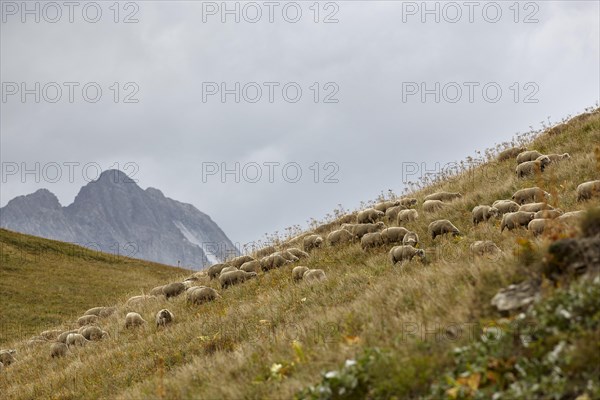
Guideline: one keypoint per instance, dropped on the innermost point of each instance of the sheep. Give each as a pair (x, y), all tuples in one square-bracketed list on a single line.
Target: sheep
[(588, 190), (530, 195), (228, 269), (156, 291), (272, 261), (87, 320), (215, 269), (238, 261), (537, 226), (505, 206), (7, 356), (369, 215), (442, 227), (251, 266), (133, 319), (347, 219), (433, 205), (483, 213), (298, 273), (339, 236), (530, 155), (535, 207), (548, 214), (76, 339), (297, 252), (314, 275), (408, 202), (404, 253), (58, 350), (510, 153), (312, 242), (443, 196), (391, 214), (482, 247), (135, 300), (410, 239), (202, 294), (555, 158), (265, 251), (571, 217), (516, 219), (51, 334), (407, 216), (362, 229), (173, 289), (62, 338), (101, 312), (164, 317), (384, 205), (393, 234), (531, 167), (93, 333), (235, 277), (371, 240)]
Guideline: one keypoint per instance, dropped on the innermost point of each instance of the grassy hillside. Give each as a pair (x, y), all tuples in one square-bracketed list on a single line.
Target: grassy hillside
[(44, 283), (272, 338)]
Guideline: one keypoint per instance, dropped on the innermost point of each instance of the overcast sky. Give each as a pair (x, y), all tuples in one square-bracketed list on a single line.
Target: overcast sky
[(365, 71)]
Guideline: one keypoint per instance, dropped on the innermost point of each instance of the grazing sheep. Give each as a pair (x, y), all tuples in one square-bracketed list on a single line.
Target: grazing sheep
[(58, 350), (548, 214), (93, 333), (588, 190), (411, 239), (391, 214), (505, 206), (555, 158), (133, 319), (135, 300), (516, 219), (298, 273), (164, 317), (443, 196), (531, 167), (483, 213), (51, 334), (371, 240), (442, 227), (87, 320), (384, 205), (265, 251), (157, 291), (287, 255), (238, 261), (314, 275), (62, 338), (362, 229), (339, 236), (510, 153), (370, 215), (215, 269), (7, 356), (228, 269), (408, 202), (173, 289), (202, 294), (433, 205), (537, 226), (530, 155), (312, 242), (535, 207), (76, 339), (297, 252), (404, 253), (393, 234), (531, 195), (251, 266), (571, 217), (272, 261), (407, 216), (235, 277), (482, 247)]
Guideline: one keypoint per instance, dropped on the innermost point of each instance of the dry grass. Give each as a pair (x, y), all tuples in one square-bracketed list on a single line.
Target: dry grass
[(226, 349)]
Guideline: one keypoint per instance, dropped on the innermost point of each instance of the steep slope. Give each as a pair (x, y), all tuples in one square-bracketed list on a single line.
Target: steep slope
[(45, 283), (271, 338), (114, 215)]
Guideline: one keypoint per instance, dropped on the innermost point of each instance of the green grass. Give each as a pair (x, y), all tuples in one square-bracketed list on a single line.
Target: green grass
[(272, 338)]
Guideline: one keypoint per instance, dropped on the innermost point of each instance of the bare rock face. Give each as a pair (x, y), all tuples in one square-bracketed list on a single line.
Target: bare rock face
[(113, 214)]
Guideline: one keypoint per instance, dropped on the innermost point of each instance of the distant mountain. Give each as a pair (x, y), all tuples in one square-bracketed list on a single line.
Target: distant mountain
[(113, 214)]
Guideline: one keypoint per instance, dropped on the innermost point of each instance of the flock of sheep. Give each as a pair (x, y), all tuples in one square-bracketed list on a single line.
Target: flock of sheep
[(527, 208)]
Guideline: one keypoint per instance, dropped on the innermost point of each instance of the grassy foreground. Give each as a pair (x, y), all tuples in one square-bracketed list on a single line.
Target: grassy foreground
[(272, 338)]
